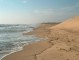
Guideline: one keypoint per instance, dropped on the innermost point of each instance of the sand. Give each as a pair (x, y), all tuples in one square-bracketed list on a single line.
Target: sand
[(29, 52), (71, 25), (62, 43)]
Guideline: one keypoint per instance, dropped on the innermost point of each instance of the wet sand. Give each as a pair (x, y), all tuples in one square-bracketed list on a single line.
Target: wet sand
[(62, 43)]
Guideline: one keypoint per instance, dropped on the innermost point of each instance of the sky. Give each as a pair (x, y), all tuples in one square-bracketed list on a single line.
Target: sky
[(37, 11)]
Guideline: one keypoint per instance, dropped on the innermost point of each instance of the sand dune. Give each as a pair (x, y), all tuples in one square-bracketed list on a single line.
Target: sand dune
[(71, 24), (65, 46), (62, 43)]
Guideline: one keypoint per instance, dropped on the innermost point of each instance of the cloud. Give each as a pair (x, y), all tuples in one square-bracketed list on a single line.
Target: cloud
[(24, 1)]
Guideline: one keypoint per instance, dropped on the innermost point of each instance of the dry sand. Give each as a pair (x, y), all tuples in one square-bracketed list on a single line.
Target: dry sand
[(71, 25), (62, 43)]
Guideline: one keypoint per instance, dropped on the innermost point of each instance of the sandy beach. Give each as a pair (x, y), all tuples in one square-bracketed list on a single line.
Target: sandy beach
[(62, 42)]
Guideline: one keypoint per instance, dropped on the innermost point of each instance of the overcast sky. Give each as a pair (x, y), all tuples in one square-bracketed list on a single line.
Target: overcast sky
[(35, 11)]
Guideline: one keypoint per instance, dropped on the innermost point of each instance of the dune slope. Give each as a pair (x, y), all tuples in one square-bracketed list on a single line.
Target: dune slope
[(71, 24)]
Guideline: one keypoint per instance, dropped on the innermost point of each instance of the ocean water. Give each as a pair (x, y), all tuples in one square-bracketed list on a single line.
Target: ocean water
[(12, 39)]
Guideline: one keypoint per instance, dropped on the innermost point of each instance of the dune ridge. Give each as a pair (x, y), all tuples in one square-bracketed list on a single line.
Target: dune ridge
[(71, 24)]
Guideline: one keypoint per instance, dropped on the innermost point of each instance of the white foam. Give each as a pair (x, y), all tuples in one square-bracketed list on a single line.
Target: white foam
[(12, 51)]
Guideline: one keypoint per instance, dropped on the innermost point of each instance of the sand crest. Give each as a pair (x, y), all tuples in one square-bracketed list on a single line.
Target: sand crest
[(71, 25)]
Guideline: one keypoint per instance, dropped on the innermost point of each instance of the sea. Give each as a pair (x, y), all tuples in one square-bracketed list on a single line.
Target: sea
[(12, 38)]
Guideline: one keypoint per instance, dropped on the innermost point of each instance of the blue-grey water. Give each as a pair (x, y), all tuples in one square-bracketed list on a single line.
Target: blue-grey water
[(12, 39)]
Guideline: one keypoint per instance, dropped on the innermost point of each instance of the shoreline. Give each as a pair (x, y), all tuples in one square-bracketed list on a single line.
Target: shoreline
[(4, 57), (27, 33), (60, 44), (21, 48), (14, 51)]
